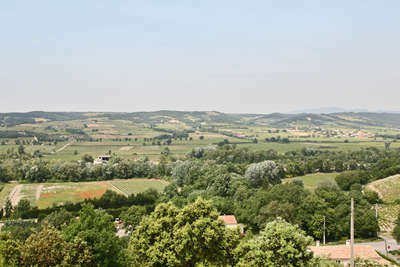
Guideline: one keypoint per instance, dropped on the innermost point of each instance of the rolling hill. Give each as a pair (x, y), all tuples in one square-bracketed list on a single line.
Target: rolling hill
[(194, 118)]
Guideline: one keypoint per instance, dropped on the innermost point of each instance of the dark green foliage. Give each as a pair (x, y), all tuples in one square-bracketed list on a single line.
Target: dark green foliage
[(346, 179), (58, 218), (96, 228), (24, 210), (8, 209), (396, 230), (19, 230), (279, 244), (133, 215), (183, 237)]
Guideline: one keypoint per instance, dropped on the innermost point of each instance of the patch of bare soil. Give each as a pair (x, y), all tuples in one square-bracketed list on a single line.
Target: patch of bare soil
[(38, 190)]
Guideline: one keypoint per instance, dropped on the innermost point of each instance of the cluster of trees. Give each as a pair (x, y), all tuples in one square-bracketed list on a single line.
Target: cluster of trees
[(38, 170), (256, 196), (117, 205), (87, 241), (169, 236), (278, 139), (377, 163)]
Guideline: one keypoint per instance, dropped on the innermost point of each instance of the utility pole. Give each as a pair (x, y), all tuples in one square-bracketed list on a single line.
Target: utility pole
[(376, 215), (352, 234), (324, 230)]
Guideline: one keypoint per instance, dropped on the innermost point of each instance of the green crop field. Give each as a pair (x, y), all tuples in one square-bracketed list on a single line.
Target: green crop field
[(311, 181), (44, 195), (132, 135), (134, 186)]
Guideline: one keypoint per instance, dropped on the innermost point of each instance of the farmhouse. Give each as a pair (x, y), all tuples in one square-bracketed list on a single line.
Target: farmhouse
[(231, 223), (101, 159), (341, 253)]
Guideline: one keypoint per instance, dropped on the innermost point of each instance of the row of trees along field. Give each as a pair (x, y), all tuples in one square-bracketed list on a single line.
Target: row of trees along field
[(371, 163)]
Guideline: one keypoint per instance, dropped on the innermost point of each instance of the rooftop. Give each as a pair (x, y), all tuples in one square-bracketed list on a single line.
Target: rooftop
[(228, 219), (343, 252)]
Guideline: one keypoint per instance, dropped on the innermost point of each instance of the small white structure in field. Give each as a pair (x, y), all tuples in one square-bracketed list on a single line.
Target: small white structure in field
[(101, 159)]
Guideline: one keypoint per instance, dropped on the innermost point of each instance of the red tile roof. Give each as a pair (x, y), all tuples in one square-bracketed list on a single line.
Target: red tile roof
[(343, 252), (228, 219)]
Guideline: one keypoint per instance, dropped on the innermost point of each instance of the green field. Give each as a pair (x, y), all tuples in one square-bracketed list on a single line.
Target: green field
[(311, 181), (128, 136), (139, 185), (45, 195)]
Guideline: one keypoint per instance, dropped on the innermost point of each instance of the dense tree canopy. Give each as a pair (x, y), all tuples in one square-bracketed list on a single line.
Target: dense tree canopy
[(182, 237), (279, 244)]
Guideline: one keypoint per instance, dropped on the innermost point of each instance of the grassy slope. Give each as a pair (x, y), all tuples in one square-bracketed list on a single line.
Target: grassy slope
[(389, 190), (311, 181)]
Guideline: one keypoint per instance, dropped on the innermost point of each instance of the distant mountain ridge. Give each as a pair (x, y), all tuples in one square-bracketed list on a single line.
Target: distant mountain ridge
[(196, 118)]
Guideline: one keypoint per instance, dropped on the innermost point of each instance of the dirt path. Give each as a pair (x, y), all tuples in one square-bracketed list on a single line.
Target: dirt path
[(15, 195), (38, 190), (63, 147)]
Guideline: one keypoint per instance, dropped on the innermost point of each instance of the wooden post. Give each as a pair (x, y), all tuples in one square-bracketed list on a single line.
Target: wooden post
[(352, 234), (376, 215)]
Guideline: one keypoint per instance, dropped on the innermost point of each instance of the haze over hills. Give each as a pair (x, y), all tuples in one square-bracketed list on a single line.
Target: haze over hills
[(327, 110), (195, 118)]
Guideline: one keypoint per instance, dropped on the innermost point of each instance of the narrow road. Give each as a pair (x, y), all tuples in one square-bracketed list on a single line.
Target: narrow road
[(380, 246)]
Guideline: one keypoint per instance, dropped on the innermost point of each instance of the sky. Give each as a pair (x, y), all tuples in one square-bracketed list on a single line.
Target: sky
[(233, 56)]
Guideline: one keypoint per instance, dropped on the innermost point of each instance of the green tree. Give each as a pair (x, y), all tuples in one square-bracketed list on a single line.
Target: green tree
[(78, 253), (10, 250), (133, 216), (58, 218), (46, 248), (280, 244), (87, 158), (266, 172), (96, 228), (22, 208), (182, 237), (8, 209)]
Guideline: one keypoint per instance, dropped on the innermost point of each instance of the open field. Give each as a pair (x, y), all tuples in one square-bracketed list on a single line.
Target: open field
[(132, 135), (389, 191), (45, 195), (139, 185), (311, 181)]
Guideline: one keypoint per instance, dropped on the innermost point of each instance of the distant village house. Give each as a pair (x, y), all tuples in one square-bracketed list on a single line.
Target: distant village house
[(341, 253), (231, 223)]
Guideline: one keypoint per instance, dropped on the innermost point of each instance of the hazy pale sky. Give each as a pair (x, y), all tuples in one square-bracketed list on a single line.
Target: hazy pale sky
[(253, 56)]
